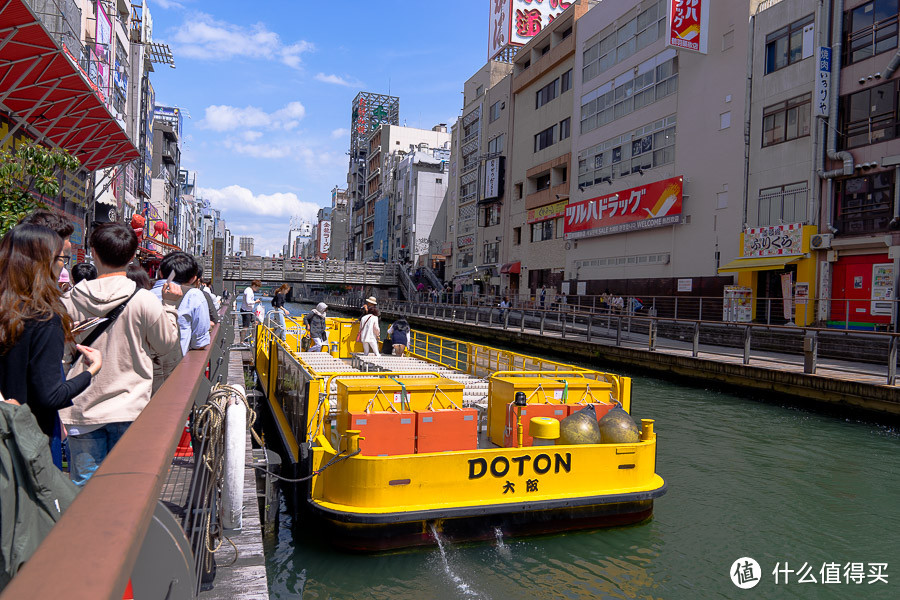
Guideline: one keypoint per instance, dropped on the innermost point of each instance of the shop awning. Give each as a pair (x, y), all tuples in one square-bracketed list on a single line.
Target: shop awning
[(511, 267), (43, 88), (763, 263)]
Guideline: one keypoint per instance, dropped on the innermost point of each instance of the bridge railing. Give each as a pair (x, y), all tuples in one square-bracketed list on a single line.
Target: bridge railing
[(247, 268)]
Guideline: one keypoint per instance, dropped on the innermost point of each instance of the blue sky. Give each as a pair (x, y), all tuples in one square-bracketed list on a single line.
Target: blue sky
[(269, 84)]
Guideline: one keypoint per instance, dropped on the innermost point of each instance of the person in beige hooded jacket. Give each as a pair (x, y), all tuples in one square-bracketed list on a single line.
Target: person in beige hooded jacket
[(145, 328)]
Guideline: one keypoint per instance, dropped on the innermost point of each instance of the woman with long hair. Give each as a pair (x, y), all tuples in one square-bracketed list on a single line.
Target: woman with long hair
[(34, 329), (369, 332)]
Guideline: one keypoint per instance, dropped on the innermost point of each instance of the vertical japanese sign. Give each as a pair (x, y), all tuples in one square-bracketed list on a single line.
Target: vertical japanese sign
[(823, 83), (324, 238), (492, 184), (102, 48), (515, 22), (688, 26)]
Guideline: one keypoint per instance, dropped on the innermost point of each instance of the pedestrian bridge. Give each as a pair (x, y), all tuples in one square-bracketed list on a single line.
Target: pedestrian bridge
[(296, 270)]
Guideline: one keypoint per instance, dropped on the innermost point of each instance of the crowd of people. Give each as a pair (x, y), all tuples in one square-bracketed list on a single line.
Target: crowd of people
[(84, 348)]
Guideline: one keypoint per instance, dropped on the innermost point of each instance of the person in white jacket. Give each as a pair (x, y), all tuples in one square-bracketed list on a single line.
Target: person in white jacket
[(369, 332), (146, 327)]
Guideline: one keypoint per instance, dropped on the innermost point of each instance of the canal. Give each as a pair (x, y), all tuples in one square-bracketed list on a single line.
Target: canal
[(746, 478)]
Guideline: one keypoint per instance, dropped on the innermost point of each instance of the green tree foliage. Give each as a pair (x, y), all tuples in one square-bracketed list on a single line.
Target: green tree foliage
[(28, 174)]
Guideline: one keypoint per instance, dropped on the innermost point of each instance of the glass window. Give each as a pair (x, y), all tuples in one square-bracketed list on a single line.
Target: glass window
[(871, 28), (785, 46), (566, 81), (565, 128), (787, 120)]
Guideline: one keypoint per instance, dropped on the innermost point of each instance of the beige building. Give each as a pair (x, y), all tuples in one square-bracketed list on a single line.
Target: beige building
[(543, 82), (474, 216), (658, 141)]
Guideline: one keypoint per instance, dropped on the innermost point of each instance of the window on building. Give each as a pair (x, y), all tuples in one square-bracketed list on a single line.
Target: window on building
[(438, 180), (542, 182), (496, 107), (783, 204), (543, 231), (565, 128), (546, 93), (607, 103), (489, 215), (545, 50), (786, 120), (646, 147), (492, 252), (495, 146), (518, 191), (871, 29), (864, 204), (565, 82), (870, 116), (786, 46), (479, 90), (567, 32), (464, 259), (545, 138), (517, 236), (614, 46)]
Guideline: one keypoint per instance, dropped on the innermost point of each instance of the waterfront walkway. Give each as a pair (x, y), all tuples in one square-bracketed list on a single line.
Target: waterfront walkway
[(847, 384)]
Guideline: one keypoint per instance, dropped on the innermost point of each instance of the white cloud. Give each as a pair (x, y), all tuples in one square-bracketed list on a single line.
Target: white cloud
[(250, 135), (221, 117), (167, 4), (339, 133), (235, 199), (338, 80), (204, 38)]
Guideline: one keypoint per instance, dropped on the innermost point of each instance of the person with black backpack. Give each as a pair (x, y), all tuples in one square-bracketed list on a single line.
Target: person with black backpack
[(135, 326)]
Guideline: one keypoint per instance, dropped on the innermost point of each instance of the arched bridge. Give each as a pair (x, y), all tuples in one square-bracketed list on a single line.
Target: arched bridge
[(296, 270)]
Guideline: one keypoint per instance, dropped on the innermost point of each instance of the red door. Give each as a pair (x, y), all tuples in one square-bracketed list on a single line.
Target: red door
[(851, 303)]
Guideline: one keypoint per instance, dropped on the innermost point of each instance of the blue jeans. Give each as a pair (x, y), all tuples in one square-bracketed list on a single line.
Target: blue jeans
[(88, 450)]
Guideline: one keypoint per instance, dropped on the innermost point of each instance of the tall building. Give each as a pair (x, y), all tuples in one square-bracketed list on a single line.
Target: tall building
[(418, 190), (246, 245), (369, 111), (480, 140), (387, 146)]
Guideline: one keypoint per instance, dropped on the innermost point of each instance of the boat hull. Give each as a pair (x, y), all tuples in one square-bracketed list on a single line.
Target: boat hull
[(368, 532)]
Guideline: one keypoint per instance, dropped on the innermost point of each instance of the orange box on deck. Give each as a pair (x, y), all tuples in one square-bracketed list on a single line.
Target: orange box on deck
[(510, 438), (385, 433), (450, 429), (601, 408)]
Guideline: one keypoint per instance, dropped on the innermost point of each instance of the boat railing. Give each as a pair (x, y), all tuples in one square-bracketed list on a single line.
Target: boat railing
[(118, 531)]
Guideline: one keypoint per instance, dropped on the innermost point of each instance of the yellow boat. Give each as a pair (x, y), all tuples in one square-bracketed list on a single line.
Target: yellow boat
[(453, 439)]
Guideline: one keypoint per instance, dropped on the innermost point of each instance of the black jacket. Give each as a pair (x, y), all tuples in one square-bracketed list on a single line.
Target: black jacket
[(31, 372)]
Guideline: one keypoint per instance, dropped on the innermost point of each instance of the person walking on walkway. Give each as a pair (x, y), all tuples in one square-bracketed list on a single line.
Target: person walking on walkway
[(137, 327), (34, 328), (369, 332), (249, 302)]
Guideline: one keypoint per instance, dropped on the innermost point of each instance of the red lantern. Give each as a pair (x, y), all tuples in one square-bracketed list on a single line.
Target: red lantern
[(161, 228)]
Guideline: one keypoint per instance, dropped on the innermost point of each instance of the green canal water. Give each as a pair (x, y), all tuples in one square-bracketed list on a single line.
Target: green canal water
[(746, 478)]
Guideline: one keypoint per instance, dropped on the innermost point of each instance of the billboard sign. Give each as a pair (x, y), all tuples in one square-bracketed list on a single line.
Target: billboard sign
[(544, 213), (324, 238), (653, 205), (492, 184), (688, 25), (515, 22), (149, 104), (776, 240), (104, 40)]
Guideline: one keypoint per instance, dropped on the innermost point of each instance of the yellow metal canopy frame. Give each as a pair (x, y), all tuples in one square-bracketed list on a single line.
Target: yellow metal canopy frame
[(763, 263)]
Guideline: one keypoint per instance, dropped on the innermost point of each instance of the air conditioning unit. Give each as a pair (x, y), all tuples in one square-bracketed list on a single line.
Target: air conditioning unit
[(820, 241)]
